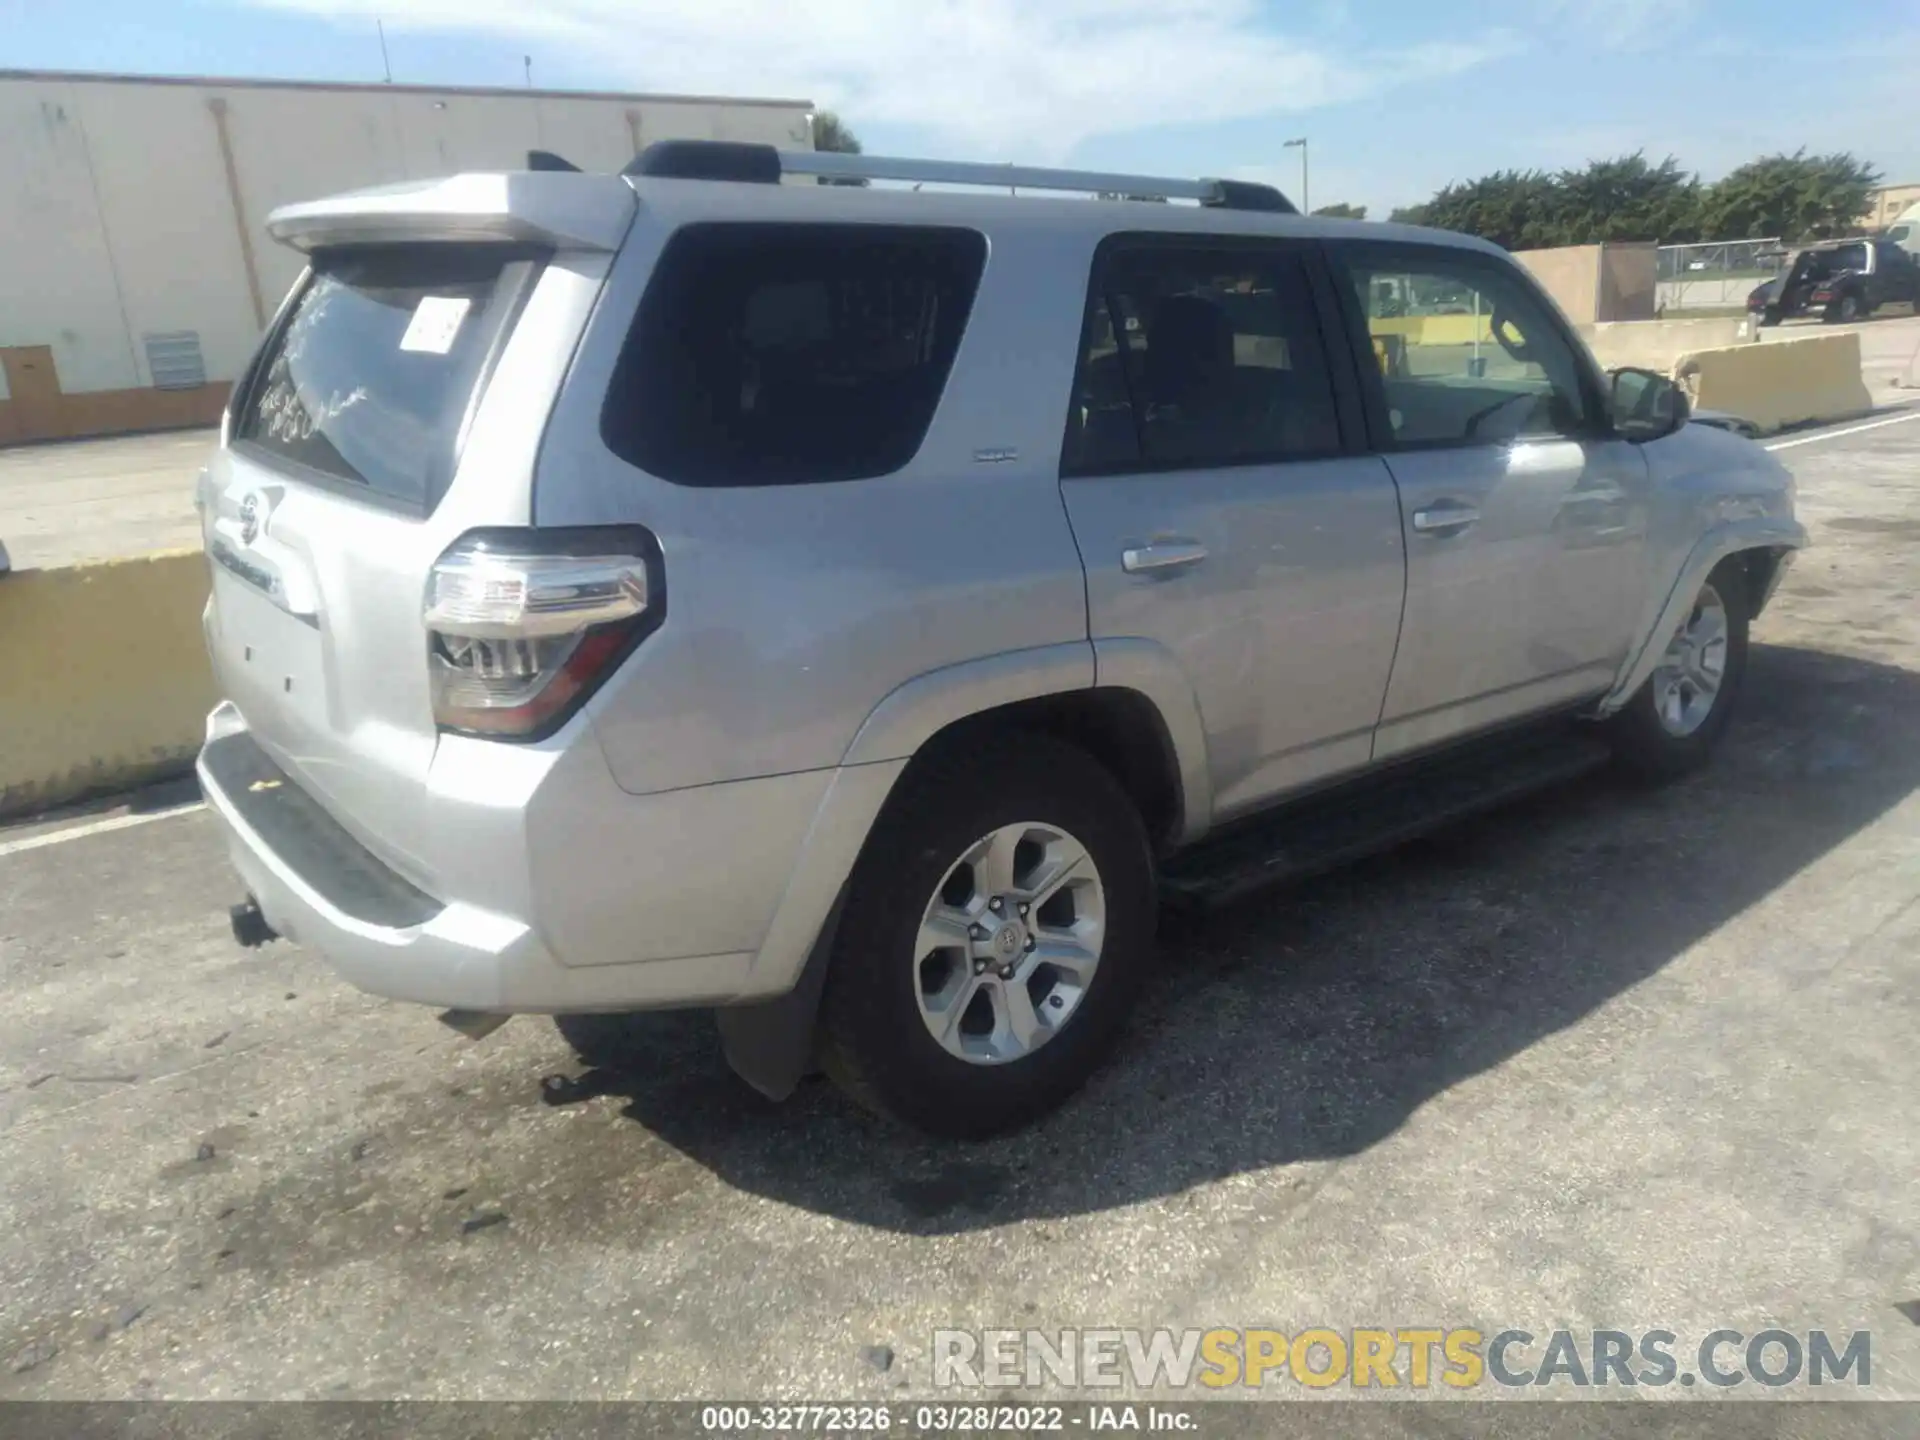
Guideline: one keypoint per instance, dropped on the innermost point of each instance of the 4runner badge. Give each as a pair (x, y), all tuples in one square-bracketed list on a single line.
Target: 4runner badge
[(250, 509)]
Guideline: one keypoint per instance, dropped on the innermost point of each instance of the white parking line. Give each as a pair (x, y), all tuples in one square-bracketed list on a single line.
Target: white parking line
[(94, 827), (1850, 430)]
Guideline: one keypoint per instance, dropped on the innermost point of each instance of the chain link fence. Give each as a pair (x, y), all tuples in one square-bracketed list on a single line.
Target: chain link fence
[(1717, 274)]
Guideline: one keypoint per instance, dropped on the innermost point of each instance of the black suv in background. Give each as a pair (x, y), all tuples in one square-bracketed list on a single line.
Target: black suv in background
[(1840, 280)]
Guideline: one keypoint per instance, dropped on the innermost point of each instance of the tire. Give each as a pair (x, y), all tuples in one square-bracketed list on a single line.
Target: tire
[(1844, 311), (877, 1015), (1652, 747)]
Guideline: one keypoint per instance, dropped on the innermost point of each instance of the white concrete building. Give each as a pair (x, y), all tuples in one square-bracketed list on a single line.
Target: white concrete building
[(135, 268)]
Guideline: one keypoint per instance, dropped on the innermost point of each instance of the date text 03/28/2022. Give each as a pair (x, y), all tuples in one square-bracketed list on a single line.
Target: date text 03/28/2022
[(936, 1419)]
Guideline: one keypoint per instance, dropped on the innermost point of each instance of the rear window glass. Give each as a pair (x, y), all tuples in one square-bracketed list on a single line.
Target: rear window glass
[(787, 354), (368, 380), (1821, 263)]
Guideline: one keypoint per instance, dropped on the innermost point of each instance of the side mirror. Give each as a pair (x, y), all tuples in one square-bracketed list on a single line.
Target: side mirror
[(1646, 405)]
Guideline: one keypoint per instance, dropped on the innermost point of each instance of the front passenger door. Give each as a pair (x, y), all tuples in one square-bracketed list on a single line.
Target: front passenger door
[(1525, 517)]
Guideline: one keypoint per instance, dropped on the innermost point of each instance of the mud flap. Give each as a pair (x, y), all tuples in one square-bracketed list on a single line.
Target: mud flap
[(770, 1044)]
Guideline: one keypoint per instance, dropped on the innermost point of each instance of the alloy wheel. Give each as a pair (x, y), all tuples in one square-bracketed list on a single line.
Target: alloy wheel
[(1009, 943), (1687, 683)]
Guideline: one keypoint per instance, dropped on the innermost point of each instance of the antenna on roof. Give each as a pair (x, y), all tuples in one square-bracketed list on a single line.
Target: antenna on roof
[(527, 61), (385, 64)]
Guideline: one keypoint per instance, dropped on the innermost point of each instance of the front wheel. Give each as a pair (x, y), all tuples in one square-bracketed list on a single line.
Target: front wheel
[(996, 933), (1671, 724)]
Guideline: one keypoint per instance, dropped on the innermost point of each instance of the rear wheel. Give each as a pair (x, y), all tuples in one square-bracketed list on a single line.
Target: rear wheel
[(1671, 724), (1845, 310), (995, 936)]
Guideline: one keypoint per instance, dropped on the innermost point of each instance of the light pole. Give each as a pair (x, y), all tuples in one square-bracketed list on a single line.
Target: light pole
[(1306, 204)]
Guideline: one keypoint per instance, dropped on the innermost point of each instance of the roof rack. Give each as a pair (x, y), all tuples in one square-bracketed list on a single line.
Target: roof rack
[(765, 165)]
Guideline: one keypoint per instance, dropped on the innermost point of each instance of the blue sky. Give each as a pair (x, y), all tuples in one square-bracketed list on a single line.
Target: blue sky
[(1396, 96)]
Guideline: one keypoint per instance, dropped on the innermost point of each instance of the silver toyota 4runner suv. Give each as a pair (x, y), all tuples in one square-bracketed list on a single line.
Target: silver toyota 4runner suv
[(859, 609)]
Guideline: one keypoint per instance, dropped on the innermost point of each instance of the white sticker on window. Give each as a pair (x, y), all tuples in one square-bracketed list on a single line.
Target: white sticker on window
[(436, 320)]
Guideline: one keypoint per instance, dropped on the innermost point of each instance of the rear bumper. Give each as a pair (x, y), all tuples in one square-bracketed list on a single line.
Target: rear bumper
[(682, 898)]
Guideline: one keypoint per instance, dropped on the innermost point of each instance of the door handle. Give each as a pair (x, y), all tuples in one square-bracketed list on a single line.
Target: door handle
[(1444, 518), (1161, 555)]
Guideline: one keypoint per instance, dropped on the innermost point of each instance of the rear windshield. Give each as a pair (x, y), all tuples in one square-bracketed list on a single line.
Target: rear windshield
[(368, 380), (788, 354)]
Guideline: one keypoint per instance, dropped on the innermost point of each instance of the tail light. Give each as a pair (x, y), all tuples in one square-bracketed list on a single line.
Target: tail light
[(524, 625)]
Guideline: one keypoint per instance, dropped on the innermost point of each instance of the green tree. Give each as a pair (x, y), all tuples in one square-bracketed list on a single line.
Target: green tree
[(1796, 197), (831, 134), (1626, 199), (1518, 209), (1343, 212)]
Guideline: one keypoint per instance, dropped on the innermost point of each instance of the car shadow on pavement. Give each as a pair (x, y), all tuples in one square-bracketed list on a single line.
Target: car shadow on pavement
[(1310, 1023)]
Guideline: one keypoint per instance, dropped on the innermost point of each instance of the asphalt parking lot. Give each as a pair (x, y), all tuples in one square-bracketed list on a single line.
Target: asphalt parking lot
[(1609, 1059), (101, 499)]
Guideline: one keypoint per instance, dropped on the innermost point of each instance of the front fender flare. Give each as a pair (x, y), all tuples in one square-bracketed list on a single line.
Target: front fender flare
[(1730, 538)]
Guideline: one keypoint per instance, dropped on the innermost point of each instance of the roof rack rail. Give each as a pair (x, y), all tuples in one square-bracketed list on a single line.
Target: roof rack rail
[(763, 164)]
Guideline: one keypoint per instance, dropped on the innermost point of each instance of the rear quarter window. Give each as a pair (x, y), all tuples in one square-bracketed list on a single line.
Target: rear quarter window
[(367, 381), (768, 354)]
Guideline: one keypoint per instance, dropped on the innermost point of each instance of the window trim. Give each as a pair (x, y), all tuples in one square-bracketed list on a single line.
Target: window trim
[(1348, 405), (625, 315), (520, 271), (1382, 441)]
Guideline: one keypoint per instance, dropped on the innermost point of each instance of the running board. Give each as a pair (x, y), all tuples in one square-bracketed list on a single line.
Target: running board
[(1331, 827)]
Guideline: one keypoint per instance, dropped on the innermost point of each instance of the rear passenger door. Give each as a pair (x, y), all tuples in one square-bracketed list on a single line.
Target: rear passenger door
[(1212, 475), (1525, 516)]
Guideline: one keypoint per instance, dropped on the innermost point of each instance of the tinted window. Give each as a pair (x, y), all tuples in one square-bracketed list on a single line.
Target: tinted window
[(1466, 350), (1196, 357), (369, 378), (787, 354)]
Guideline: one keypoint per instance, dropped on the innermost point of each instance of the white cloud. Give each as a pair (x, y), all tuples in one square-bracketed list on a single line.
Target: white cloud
[(1619, 24), (989, 78)]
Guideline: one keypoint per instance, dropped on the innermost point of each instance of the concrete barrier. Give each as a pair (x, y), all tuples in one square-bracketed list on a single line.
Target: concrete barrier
[(1436, 329), (104, 680), (1656, 344), (1785, 382)]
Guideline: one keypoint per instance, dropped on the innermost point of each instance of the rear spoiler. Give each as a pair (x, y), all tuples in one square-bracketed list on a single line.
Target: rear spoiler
[(564, 211)]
